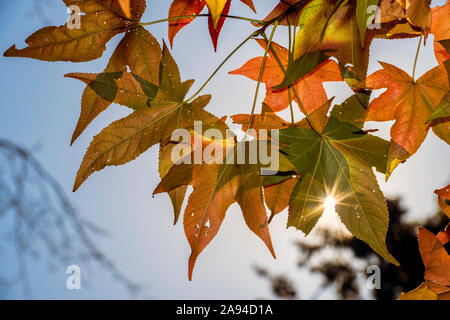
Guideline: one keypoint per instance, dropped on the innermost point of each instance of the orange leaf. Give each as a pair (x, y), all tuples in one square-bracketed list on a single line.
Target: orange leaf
[(410, 104), (435, 258), (309, 88), (277, 196), (216, 188), (214, 30), (217, 9)]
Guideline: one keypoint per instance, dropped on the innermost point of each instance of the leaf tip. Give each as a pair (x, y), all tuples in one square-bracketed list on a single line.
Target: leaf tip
[(11, 52)]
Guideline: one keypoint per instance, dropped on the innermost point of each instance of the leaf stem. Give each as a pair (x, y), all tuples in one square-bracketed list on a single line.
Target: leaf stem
[(416, 58), (219, 67), (261, 72), (291, 108)]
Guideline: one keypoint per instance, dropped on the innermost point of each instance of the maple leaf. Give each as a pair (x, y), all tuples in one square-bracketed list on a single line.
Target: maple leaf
[(102, 21), (440, 28), (309, 87), (139, 51), (435, 258), (217, 8), (443, 199), (410, 103), (157, 116), (436, 262), (216, 188), (339, 162)]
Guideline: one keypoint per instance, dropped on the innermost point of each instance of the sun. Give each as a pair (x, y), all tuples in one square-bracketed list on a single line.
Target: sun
[(330, 219), (329, 204)]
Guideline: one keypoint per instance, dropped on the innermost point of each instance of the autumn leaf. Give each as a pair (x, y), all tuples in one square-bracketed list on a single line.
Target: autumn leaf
[(436, 262), (435, 258), (410, 103), (215, 29), (443, 199), (101, 21), (310, 87), (216, 187), (339, 162), (126, 139), (217, 9), (209, 202), (138, 50)]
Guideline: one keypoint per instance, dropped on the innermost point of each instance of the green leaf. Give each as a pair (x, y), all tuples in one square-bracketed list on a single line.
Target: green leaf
[(339, 163)]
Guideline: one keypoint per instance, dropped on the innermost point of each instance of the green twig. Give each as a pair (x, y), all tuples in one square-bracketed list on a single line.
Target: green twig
[(201, 15), (261, 72), (416, 58), (218, 68)]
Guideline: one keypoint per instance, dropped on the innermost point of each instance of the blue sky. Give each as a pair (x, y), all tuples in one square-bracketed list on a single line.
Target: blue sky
[(40, 107)]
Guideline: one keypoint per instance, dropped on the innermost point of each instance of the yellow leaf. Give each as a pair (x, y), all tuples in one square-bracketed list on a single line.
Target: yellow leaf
[(216, 7)]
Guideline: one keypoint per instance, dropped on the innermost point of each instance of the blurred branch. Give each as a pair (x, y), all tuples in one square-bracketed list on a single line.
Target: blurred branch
[(44, 223)]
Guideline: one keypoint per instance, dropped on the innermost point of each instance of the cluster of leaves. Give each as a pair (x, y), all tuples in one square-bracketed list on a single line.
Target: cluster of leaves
[(436, 261), (326, 153)]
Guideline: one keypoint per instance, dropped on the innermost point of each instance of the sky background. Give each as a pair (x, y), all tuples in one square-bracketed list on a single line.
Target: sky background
[(39, 107)]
